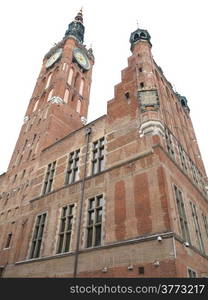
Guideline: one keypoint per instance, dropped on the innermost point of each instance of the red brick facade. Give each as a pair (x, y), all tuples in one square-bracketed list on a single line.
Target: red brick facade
[(149, 150)]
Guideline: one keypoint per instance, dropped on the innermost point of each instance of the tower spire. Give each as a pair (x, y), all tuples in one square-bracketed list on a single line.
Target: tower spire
[(79, 16), (76, 28)]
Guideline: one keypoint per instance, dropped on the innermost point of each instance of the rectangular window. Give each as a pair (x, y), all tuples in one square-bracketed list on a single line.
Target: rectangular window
[(182, 214), (37, 236), (191, 273), (205, 223), (94, 223), (169, 143), (25, 144), (15, 177), (8, 242), (72, 168), (98, 156), (197, 227), (65, 230), (49, 178)]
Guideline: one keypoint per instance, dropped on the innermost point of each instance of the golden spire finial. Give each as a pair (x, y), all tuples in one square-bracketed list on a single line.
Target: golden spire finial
[(79, 16)]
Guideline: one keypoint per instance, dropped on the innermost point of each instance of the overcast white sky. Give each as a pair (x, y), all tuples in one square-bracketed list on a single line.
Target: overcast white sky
[(30, 28)]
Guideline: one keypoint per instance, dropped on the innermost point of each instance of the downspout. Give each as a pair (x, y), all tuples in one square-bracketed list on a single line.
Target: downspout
[(87, 133)]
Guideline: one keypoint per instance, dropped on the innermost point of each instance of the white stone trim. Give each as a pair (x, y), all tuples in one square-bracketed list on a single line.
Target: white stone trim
[(153, 127), (56, 99)]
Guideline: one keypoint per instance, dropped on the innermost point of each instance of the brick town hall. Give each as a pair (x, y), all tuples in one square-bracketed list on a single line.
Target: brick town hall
[(123, 196)]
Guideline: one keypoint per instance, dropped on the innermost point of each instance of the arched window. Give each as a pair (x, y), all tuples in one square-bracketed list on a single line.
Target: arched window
[(79, 106), (70, 76), (66, 96), (81, 87), (36, 105), (48, 80), (50, 95)]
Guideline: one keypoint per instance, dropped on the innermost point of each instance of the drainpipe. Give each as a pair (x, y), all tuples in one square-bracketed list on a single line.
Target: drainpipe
[(87, 133)]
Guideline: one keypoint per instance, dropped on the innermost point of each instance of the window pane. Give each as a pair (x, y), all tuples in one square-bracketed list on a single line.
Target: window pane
[(101, 167), (68, 238), (99, 216), (95, 145), (91, 217), (35, 232), (76, 177), (38, 248), (40, 233), (91, 203), (71, 208), (97, 235), (100, 201), (95, 154), (63, 221), (89, 237), (94, 167), (69, 225), (102, 141), (61, 238), (64, 209)]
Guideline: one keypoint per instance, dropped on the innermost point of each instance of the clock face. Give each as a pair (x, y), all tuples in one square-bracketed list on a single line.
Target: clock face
[(81, 58), (54, 57)]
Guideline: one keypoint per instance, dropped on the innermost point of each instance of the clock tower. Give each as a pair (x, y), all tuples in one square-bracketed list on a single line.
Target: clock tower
[(59, 103)]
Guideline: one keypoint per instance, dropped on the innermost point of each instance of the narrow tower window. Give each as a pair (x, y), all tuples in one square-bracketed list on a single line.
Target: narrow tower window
[(49, 178), (36, 105), (205, 223), (23, 173), (182, 158), (182, 214), (15, 177), (79, 104), (48, 80), (127, 95), (197, 227), (25, 144), (29, 154), (65, 67), (72, 168), (81, 88), (50, 95), (65, 230), (94, 223), (8, 242), (98, 156), (191, 273), (37, 236), (70, 76), (169, 143), (34, 137), (66, 96)]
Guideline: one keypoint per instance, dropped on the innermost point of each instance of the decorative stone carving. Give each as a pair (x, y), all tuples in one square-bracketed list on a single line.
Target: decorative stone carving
[(56, 99), (153, 127)]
